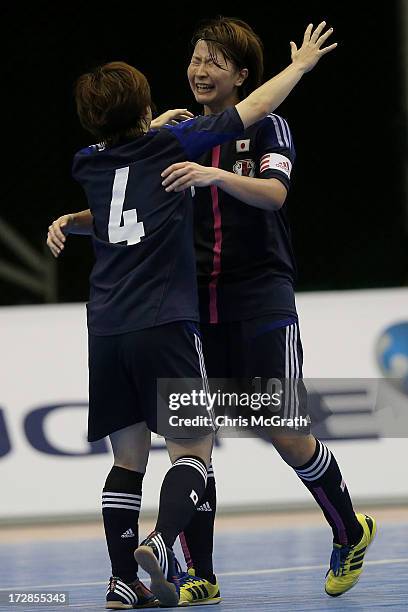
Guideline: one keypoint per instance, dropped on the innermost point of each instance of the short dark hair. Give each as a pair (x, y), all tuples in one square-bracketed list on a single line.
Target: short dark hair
[(112, 101), (238, 43)]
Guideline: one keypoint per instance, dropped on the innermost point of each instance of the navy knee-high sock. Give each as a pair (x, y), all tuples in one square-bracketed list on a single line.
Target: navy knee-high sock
[(182, 489), (322, 476), (197, 539), (121, 499)]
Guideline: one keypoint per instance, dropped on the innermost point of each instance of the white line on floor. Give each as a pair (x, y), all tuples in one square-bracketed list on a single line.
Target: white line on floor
[(274, 570)]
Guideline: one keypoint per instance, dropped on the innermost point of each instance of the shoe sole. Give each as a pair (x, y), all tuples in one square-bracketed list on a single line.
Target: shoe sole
[(208, 602), (113, 605), (165, 591), (373, 534)]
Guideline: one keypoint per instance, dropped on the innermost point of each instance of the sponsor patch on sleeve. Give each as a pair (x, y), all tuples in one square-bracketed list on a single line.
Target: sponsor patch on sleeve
[(275, 161)]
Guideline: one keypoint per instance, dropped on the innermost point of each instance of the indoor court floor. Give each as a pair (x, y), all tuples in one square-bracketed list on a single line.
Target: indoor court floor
[(264, 562)]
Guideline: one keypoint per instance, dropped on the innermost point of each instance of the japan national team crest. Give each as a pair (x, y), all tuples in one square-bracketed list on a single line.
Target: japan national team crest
[(244, 167)]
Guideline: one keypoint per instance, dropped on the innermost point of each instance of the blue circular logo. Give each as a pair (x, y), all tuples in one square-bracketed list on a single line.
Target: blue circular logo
[(392, 354)]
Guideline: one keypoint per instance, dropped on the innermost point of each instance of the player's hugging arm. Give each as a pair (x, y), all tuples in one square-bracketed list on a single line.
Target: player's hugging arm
[(269, 194), (274, 153), (171, 117), (72, 223)]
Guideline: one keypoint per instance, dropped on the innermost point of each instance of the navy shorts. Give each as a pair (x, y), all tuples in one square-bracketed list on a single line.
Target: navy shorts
[(267, 347), (123, 373)]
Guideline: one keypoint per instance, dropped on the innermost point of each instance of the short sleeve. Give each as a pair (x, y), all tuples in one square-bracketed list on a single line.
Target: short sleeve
[(275, 151), (201, 134)]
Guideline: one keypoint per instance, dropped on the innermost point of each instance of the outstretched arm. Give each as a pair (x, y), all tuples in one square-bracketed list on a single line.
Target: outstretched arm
[(271, 94)]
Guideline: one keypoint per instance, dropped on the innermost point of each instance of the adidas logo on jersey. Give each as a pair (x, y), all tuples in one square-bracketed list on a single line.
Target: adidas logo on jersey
[(128, 534), (284, 165), (205, 508)]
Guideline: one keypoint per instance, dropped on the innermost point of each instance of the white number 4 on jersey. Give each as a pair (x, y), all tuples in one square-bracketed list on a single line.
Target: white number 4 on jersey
[(132, 230)]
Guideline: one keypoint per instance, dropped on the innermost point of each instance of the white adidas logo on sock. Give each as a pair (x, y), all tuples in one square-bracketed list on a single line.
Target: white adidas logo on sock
[(128, 534), (205, 508)]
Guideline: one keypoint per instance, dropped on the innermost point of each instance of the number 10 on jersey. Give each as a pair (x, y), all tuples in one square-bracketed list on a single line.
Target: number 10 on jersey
[(132, 230)]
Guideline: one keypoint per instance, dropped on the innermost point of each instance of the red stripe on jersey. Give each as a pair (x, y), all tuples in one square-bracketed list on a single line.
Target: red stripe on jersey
[(215, 162)]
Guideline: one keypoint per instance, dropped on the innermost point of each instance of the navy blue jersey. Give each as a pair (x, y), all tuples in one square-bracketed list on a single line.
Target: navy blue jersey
[(145, 274), (245, 261)]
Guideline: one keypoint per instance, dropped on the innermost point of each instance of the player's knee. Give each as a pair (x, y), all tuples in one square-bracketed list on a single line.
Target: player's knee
[(130, 460), (200, 448)]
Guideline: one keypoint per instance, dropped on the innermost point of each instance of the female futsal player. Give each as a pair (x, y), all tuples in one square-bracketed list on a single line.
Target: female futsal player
[(246, 273)]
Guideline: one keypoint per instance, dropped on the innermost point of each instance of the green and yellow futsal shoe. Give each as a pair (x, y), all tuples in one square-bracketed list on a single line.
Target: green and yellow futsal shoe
[(346, 562), (196, 591)]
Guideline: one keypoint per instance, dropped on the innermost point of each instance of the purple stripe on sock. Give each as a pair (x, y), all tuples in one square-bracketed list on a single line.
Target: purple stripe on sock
[(341, 529), (186, 550)]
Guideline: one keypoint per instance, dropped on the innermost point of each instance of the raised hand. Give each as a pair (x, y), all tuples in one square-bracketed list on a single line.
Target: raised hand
[(311, 50)]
